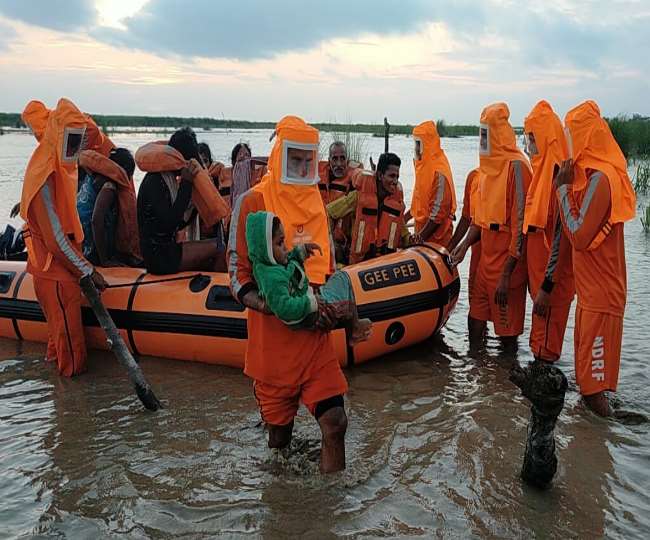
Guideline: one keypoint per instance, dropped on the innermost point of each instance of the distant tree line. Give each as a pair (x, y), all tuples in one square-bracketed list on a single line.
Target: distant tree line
[(631, 132)]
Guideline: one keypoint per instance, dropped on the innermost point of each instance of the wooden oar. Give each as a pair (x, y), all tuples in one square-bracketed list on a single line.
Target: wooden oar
[(117, 345)]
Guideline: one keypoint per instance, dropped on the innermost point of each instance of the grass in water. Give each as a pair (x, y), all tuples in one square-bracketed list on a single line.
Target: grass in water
[(645, 219), (642, 178), (356, 144)]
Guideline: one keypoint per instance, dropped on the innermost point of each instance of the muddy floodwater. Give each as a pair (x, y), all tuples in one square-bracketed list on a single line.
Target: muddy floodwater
[(435, 441)]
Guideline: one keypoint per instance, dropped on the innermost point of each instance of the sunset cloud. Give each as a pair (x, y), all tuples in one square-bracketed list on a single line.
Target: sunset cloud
[(347, 60)]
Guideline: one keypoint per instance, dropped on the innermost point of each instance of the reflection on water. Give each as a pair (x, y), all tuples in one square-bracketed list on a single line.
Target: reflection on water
[(435, 442)]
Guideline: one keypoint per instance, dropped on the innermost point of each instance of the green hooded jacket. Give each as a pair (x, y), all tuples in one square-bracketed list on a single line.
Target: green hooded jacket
[(285, 289)]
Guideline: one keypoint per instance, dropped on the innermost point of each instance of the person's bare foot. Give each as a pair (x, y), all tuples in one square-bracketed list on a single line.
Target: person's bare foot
[(599, 404), (360, 332)]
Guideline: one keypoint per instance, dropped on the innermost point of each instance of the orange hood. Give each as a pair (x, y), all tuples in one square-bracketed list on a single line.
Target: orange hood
[(433, 159), (550, 150), (97, 140), (35, 117), (594, 147), (494, 166), (47, 159), (299, 207)]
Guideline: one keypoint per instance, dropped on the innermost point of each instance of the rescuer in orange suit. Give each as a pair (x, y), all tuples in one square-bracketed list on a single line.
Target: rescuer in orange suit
[(34, 116), (53, 234), (504, 175), (461, 230), (550, 267), (596, 197), (290, 366), (434, 197)]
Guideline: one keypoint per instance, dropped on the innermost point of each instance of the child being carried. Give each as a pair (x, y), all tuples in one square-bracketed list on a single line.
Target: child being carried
[(283, 283)]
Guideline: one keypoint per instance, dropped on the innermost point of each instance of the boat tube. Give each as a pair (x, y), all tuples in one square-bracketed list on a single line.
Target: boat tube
[(192, 316)]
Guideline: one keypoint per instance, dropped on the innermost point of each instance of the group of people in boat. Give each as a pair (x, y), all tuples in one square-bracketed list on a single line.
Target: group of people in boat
[(549, 223)]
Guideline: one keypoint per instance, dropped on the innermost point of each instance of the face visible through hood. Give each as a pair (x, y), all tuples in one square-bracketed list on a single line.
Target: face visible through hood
[(497, 150), (546, 146), (594, 148), (56, 157), (428, 159), (300, 164), (290, 191)]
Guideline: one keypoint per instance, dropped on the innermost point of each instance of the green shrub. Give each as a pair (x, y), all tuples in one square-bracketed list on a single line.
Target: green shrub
[(632, 134)]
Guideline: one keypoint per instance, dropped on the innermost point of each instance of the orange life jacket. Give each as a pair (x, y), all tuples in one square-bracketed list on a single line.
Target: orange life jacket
[(259, 170), (127, 239), (333, 189), (222, 177), (160, 157), (376, 227)]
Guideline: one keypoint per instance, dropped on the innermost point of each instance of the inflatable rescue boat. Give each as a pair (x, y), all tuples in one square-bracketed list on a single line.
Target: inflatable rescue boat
[(408, 295)]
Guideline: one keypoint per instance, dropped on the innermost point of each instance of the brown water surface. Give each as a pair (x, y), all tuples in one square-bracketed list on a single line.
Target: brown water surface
[(435, 442)]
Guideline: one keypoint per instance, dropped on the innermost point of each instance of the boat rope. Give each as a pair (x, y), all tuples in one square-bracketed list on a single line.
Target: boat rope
[(166, 280)]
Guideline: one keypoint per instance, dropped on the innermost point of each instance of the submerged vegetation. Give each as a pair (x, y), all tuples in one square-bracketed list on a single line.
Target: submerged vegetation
[(642, 177), (642, 187), (355, 143), (645, 219)]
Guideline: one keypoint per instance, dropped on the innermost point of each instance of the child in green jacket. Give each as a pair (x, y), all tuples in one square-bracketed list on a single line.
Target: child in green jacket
[(283, 284)]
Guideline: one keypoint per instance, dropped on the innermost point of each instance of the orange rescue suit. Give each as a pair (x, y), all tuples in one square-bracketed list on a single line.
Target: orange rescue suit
[(53, 235), (593, 211), (503, 180), (548, 249), (434, 195), (377, 227), (471, 186), (283, 362)]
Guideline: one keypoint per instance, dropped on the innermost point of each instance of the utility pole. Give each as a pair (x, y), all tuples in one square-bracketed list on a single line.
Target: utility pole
[(386, 130)]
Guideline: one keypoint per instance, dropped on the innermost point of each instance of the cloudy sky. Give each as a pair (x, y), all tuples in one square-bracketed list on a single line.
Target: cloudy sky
[(334, 60)]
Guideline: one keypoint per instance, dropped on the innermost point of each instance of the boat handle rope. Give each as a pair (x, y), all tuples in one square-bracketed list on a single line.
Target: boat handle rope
[(446, 258), (166, 280)]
